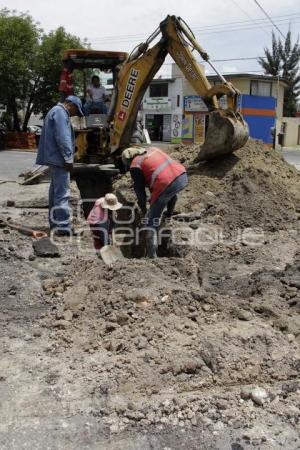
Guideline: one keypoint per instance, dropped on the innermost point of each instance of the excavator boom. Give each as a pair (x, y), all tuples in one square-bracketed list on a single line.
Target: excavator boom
[(226, 131)]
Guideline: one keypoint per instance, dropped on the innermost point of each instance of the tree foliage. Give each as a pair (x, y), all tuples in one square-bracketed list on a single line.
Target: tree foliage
[(30, 62), (283, 60)]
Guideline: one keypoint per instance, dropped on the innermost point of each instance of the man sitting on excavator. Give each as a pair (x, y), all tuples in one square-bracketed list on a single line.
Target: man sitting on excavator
[(96, 96), (151, 167)]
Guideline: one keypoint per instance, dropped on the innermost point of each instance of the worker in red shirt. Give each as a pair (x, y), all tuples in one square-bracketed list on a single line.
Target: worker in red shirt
[(152, 168), (66, 86)]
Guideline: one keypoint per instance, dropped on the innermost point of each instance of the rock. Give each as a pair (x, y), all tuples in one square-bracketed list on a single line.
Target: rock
[(37, 333), (75, 297), (142, 343), (122, 318), (246, 392), (45, 248), (68, 315), (110, 326), (63, 324), (194, 225), (259, 395), (114, 428), (194, 422), (281, 323), (206, 307), (10, 203), (31, 257), (294, 282), (290, 337), (198, 295), (49, 284), (140, 297), (242, 314)]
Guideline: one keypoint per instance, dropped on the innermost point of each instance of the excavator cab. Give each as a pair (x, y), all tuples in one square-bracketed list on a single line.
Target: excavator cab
[(92, 143)]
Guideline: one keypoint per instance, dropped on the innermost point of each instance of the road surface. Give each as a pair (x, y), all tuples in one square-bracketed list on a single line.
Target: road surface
[(12, 163), (293, 157)]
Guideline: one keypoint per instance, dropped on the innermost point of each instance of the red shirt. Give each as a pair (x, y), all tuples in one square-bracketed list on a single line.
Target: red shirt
[(66, 82)]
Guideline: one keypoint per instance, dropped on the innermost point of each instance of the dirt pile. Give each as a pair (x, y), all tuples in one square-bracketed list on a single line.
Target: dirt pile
[(253, 187), (206, 342), (171, 342)]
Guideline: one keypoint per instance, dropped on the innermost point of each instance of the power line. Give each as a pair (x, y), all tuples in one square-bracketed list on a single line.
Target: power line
[(245, 12), (228, 59), (270, 19), (204, 29), (209, 74), (198, 35)]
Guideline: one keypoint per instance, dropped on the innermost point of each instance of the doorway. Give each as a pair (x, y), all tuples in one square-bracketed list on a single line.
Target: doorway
[(159, 127)]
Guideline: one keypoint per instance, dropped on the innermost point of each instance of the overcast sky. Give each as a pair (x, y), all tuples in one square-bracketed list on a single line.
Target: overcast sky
[(227, 29)]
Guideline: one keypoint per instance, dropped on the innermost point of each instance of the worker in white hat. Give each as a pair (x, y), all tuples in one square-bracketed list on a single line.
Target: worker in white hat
[(101, 219)]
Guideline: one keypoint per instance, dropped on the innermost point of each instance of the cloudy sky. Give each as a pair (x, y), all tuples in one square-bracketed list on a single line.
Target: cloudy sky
[(227, 29)]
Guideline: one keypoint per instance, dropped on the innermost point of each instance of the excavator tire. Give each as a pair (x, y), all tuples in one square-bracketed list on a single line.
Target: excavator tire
[(137, 135), (227, 132)]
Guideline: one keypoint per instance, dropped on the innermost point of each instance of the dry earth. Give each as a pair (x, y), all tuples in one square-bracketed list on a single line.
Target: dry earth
[(199, 350)]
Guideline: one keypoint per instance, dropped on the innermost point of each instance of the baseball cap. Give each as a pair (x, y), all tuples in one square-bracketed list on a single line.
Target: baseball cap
[(76, 101)]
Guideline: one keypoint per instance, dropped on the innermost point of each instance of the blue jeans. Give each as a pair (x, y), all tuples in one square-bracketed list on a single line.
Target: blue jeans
[(59, 194), (167, 199), (90, 105)]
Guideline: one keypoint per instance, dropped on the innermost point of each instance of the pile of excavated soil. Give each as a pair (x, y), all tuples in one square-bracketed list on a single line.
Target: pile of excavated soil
[(208, 342), (252, 187), (170, 342)]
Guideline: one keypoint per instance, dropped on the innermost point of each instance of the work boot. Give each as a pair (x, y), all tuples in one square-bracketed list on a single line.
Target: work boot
[(151, 243)]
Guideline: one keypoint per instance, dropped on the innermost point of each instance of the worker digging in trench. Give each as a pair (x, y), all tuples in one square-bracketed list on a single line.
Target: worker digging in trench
[(152, 168), (101, 220)]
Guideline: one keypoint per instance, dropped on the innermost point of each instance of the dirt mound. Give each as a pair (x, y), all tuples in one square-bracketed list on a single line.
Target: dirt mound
[(170, 342), (253, 187)]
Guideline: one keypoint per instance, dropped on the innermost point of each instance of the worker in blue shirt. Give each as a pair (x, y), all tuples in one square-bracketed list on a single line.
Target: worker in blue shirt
[(56, 150)]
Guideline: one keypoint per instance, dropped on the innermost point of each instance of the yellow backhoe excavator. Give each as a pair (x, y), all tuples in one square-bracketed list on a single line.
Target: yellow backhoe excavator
[(226, 131), (132, 74), (104, 140)]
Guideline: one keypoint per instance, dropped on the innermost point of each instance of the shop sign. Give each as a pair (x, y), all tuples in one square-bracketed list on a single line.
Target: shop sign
[(194, 103)]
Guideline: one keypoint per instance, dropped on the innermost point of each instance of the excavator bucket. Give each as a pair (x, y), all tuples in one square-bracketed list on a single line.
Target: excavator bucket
[(227, 132)]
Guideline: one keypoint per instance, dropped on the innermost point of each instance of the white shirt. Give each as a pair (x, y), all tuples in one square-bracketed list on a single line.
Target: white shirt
[(97, 93)]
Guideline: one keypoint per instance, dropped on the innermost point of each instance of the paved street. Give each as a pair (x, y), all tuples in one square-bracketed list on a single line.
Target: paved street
[(292, 156), (12, 163)]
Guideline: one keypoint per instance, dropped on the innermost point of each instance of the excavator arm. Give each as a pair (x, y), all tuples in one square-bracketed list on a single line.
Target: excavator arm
[(226, 131)]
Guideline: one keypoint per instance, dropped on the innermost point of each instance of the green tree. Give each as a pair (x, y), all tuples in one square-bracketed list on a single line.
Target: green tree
[(44, 91), (19, 42), (283, 61), (30, 62)]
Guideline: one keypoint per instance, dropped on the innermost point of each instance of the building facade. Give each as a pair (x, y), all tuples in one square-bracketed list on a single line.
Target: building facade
[(173, 112), (162, 107)]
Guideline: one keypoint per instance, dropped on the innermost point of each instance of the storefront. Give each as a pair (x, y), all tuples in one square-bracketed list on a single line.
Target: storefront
[(159, 127), (193, 120), (157, 114)]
